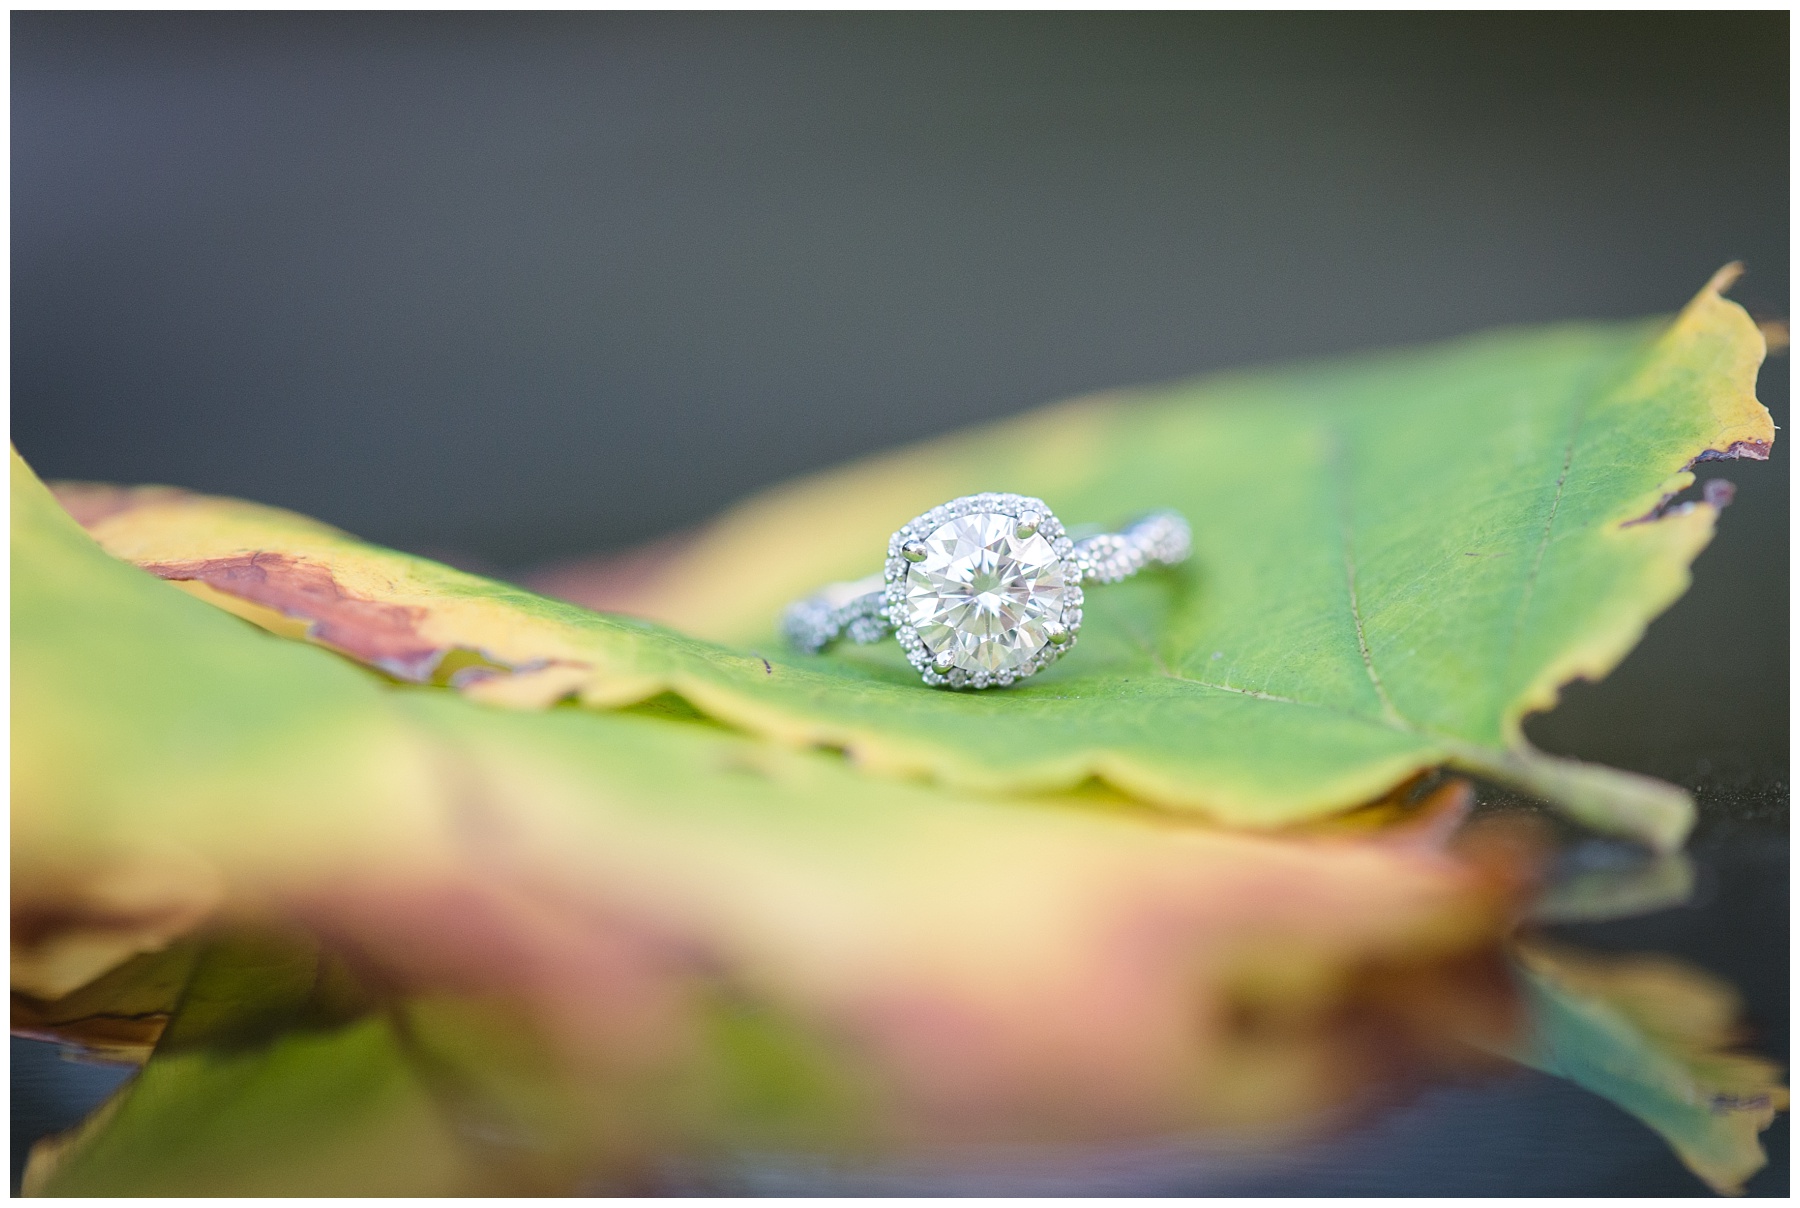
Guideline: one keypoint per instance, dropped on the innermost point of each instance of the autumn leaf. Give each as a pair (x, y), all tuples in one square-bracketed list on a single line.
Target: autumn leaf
[(1397, 557), (439, 948)]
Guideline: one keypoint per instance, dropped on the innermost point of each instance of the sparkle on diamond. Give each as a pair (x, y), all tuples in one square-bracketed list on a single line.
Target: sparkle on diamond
[(983, 594)]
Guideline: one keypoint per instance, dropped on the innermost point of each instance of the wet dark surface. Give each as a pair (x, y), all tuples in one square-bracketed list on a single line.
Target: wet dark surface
[(50, 1093), (425, 277), (1528, 1135)]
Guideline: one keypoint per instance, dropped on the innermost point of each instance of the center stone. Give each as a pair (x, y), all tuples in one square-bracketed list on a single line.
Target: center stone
[(984, 594)]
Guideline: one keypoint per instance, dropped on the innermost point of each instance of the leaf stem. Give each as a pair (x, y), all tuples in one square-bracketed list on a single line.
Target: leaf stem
[(1606, 799)]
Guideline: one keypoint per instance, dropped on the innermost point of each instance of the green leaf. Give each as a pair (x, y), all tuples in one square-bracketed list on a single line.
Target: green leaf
[(1654, 1036), (1396, 558), (449, 947)]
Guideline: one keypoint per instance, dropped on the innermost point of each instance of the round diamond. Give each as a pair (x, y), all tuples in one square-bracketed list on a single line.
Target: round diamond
[(984, 595)]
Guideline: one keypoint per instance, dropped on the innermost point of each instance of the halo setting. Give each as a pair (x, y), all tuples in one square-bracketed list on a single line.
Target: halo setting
[(983, 591)]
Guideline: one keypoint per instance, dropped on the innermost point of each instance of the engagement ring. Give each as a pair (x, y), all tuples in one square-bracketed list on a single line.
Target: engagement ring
[(984, 590)]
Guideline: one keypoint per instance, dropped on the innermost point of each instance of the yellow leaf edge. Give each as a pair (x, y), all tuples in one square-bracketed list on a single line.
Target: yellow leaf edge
[(1744, 427), (1606, 798)]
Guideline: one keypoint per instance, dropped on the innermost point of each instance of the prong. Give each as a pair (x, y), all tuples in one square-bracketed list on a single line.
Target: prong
[(1057, 632), (1028, 524), (944, 661), (913, 551)]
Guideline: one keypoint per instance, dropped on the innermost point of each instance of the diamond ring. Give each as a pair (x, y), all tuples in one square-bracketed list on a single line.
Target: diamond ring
[(984, 590)]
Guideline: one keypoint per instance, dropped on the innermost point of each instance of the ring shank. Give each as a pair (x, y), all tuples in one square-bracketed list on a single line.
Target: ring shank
[(858, 609), (1159, 539)]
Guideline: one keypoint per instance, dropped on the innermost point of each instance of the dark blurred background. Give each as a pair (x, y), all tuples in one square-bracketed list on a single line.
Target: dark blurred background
[(530, 285), (509, 288)]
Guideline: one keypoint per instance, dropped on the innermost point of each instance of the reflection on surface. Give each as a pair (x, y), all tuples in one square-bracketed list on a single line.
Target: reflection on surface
[(1653, 1035), (1601, 879), (1629, 1036)]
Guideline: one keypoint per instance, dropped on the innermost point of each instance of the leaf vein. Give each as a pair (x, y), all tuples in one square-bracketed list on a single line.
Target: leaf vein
[(1346, 521), (1537, 560), (1396, 724)]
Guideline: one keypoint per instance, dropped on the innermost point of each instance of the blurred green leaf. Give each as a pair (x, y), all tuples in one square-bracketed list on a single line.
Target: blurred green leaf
[(1396, 558)]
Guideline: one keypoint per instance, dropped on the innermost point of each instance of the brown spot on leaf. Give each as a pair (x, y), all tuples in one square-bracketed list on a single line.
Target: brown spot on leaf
[(120, 1038), (1725, 1104), (119, 1015), (1717, 493), (1755, 450), (383, 635)]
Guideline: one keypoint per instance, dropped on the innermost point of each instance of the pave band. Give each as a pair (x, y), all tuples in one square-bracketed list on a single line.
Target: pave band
[(983, 590), (856, 610)]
